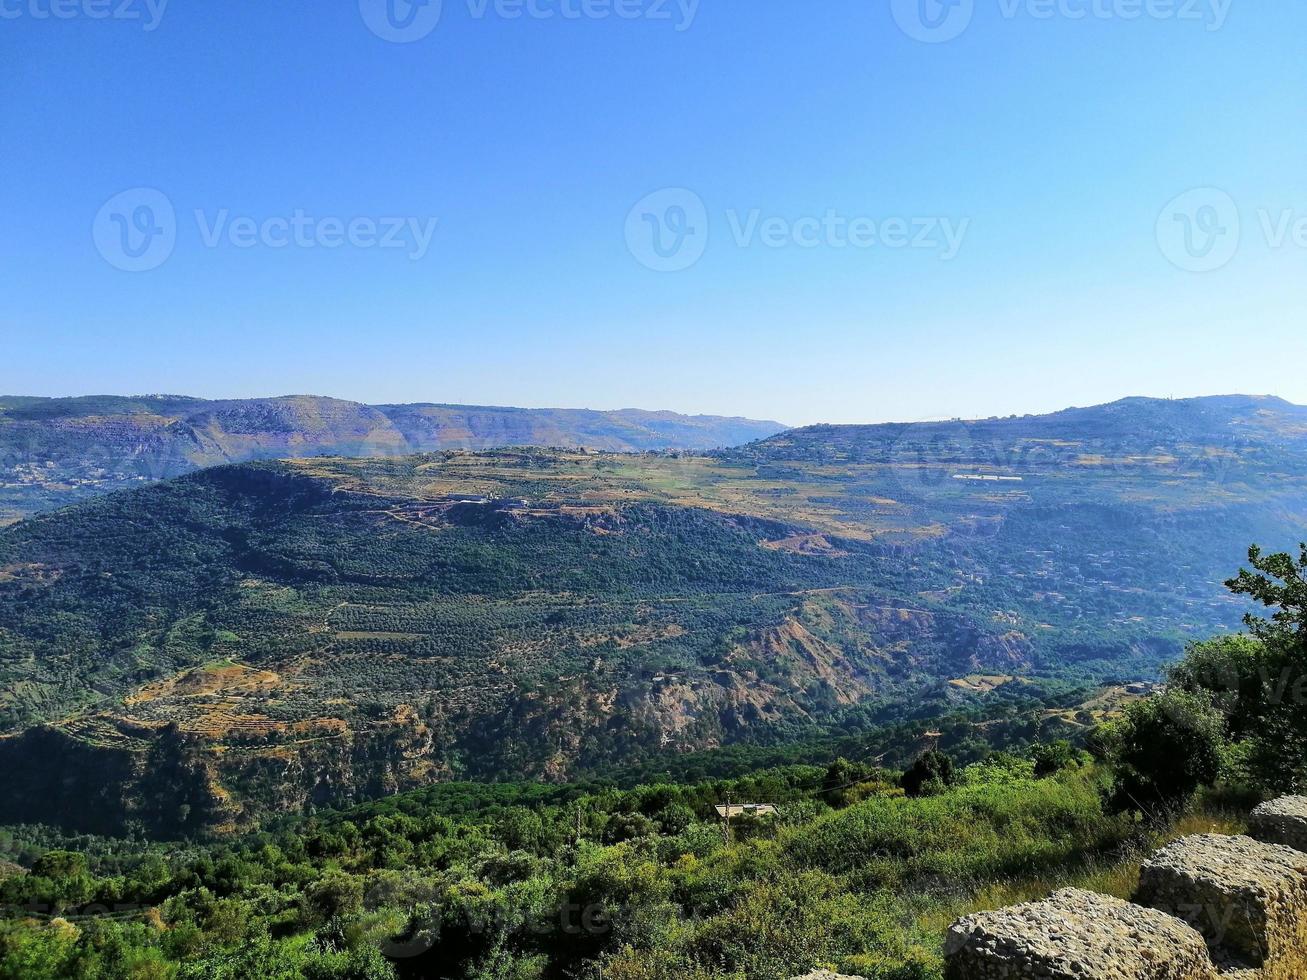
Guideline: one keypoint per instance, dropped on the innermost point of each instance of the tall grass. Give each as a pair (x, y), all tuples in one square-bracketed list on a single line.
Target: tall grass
[(1114, 872)]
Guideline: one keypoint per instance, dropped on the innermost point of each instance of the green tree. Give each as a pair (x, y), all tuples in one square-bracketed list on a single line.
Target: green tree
[(335, 894), (1053, 757), (841, 775), (69, 881), (58, 865), (932, 772), (1165, 748), (1235, 671), (1259, 681), (1277, 581)]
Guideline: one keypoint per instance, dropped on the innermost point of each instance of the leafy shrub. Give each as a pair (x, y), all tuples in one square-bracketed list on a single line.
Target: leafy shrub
[(1165, 748), (931, 773)]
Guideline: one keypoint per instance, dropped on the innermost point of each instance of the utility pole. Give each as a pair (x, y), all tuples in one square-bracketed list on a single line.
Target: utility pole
[(578, 825), (726, 822)]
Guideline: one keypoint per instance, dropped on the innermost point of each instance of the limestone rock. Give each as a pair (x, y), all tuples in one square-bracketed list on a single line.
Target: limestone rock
[(1246, 897), (1282, 821), (1076, 935)]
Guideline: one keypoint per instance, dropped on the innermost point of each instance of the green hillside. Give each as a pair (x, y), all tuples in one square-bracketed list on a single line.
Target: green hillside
[(471, 881), (273, 635), (57, 451)]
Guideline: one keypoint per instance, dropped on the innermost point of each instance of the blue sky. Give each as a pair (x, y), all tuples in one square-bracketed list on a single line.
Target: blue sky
[(854, 223)]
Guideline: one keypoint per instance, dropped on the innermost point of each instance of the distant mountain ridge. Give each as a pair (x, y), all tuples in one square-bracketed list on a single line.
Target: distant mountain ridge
[(56, 451), (1136, 417), (1205, 432)]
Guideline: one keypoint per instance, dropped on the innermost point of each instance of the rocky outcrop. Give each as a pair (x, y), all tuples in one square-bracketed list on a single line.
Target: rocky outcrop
[(1282, 821), (1066, 937), (1207, 906), (100, 774), (1244, 896)]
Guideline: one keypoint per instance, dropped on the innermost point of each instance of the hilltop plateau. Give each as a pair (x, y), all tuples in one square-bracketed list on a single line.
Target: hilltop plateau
[(56, 451)]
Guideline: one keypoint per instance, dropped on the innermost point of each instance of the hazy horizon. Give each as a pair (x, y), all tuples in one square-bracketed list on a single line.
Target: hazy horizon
[(637, 408)]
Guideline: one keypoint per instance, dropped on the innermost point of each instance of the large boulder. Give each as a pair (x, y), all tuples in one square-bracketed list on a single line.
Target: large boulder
[(1076, 935), (1246, 897), (1282, 821)]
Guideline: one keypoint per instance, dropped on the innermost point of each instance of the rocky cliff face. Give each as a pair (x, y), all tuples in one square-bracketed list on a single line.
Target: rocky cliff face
[(106, 777), (205, 750), (106, 785)]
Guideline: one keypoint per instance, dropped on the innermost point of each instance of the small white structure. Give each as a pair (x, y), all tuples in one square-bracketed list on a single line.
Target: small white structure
[(746, 810)]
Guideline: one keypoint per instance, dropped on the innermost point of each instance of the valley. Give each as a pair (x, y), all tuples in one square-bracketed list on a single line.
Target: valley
[(281, 635)]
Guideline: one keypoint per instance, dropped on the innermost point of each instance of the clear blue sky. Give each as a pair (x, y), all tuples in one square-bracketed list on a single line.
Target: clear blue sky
[(1056, 142)]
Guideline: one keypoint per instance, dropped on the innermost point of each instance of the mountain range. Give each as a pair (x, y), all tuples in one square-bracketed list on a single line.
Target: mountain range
[(56, 451), (276, 635)]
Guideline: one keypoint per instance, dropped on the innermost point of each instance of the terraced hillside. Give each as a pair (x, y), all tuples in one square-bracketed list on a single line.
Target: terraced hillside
[(258, 637), (57, 451)]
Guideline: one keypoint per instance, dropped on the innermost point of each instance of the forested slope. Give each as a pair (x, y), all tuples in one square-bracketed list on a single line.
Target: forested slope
[(266, 636)]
